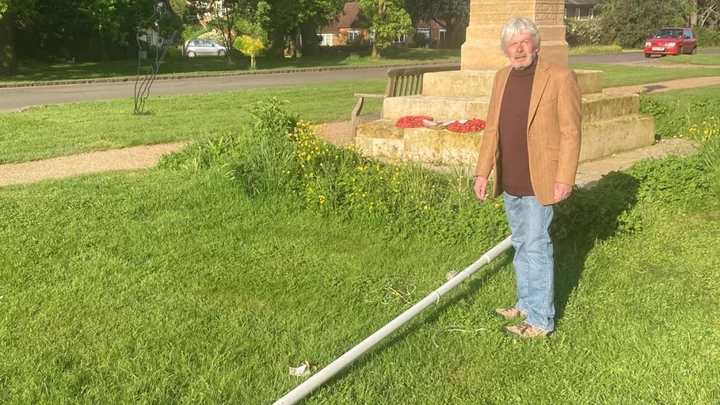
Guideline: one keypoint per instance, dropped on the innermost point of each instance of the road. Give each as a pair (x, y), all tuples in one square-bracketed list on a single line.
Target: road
[(18, 98)]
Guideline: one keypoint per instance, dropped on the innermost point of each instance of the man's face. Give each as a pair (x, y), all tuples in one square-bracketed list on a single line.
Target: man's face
[(520, 49)]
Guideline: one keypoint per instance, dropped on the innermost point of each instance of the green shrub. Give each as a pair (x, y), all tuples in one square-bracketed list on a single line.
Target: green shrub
[(583, 32), (419, 40), (707, 37), (281, 158), (697, 120)]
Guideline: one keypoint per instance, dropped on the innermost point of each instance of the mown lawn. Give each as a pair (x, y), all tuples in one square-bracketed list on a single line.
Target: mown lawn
[(170, 287), (179, 66), (712, 60), (57, 130), (619, 75)]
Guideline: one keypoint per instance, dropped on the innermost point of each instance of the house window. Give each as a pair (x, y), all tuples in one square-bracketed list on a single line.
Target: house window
[(219, 8), (577, 13), (442, 34), (424, 31), (591, 12), (327, 40), (353, 36), (400, 40)]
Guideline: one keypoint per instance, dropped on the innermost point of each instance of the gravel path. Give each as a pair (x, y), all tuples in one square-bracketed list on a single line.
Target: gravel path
[(338, 133), (138, 157)]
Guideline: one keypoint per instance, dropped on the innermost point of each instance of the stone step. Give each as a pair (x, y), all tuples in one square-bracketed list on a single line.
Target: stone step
[(600, 139), (440, 108), (599, 107), (596, 107), (478, 83), (607, 137)]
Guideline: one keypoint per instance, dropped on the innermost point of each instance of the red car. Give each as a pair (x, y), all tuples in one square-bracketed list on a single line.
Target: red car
[(671, 41)]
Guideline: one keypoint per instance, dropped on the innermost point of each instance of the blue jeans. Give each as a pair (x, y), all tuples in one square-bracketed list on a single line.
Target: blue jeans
[(530, 225)]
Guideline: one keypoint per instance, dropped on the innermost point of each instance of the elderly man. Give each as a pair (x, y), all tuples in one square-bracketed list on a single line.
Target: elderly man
[(532, 140)]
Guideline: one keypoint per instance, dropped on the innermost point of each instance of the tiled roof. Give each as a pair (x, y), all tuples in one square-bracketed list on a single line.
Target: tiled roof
[(350, 18)]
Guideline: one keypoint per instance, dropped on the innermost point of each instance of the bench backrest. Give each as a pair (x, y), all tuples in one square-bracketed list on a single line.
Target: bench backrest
[(409, 81)]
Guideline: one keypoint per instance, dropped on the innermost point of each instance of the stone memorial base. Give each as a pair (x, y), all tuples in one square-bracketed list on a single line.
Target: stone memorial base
[(611, 123)]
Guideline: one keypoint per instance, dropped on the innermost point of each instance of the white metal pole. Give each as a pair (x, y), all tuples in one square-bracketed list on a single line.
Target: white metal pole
[(341, 362)]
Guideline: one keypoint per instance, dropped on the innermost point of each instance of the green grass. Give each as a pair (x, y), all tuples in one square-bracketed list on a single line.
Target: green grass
[(685, 96), (44, 132), (618, 75), (712, 60), (164, 287), (595, 50), (178, 66)]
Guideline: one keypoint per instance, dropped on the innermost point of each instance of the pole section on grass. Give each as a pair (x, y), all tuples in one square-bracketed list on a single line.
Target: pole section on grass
[(302, 390)]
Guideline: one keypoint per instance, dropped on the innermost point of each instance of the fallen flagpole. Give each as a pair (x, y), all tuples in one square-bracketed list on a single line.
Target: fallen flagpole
[(302, 390)]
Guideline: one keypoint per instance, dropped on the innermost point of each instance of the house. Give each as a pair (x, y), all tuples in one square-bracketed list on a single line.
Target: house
[(580, 9), (351, 28)]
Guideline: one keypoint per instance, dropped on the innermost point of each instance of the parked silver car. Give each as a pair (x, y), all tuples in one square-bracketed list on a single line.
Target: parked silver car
[(204, 47)]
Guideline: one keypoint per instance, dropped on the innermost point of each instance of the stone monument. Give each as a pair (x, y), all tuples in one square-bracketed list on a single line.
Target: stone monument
[(611, 123)]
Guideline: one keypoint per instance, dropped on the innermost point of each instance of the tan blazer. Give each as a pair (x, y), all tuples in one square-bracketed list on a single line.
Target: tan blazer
[(554, 130)]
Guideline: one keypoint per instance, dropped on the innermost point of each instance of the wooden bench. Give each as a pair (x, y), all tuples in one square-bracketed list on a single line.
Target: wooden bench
[(401, 82)]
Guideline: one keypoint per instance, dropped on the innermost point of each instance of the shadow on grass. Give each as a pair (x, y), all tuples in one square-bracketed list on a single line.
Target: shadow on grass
[(588, 217)]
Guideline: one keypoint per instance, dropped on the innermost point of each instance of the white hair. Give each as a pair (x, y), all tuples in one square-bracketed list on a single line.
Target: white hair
[(516, 26)]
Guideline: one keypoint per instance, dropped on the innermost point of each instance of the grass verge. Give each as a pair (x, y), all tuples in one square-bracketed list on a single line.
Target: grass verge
[(595, 50), (57, 130), (179, 66), (710, 60), (618, 75)]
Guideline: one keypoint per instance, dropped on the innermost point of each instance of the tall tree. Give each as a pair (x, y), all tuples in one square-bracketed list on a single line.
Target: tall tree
[(708, 13), (630, 22), (388, 20), (253, 37), (227, 13), (452, 15), (291, 20), (12, 13)]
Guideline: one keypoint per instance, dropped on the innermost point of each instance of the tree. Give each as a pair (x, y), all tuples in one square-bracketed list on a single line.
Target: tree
[(253, 35), (630, 22), (227, 15), (290, 20), (12, 13), (452, 15), (388, 20), (708, 13)]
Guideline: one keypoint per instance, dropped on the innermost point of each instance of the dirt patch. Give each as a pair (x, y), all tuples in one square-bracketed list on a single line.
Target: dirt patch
[(336, 133)]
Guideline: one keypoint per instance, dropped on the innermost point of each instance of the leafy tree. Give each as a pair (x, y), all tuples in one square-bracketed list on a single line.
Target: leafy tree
[(253, 37), (389, 20), (12, 13), (453, 15), (226, 16), (290, 20), (708, 13), (629, 22)]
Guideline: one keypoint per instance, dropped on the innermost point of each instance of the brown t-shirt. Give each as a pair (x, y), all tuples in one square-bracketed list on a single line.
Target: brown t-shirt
[(515, 166)]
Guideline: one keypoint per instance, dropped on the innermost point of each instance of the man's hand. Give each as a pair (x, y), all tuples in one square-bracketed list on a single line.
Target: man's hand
[(562, 191), (481, 187)]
